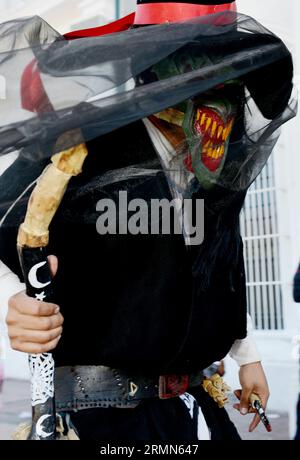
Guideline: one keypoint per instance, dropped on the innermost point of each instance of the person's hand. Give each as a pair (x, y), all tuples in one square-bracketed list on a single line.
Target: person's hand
[(253, 380), (34, 327)]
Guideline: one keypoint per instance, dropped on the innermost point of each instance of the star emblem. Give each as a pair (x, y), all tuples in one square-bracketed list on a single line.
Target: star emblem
[(40, 296)]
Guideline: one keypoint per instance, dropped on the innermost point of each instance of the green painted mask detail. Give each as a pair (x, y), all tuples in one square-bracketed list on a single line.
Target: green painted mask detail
[(208, 119)]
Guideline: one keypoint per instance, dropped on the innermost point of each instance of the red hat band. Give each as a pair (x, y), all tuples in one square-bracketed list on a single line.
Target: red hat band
[(159, 13)]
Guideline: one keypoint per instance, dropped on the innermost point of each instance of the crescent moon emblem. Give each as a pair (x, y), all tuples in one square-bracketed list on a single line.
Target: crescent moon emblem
[(39, 427), (32, 277)]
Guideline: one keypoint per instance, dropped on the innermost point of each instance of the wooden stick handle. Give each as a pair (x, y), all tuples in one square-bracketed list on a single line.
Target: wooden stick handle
[(47, 196), (33, 237)]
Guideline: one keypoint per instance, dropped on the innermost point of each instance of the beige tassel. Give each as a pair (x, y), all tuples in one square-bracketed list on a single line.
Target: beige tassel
[(22, 432), (217, 389)]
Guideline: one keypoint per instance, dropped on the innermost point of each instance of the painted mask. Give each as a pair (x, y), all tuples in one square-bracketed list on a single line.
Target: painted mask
[(206, 122)]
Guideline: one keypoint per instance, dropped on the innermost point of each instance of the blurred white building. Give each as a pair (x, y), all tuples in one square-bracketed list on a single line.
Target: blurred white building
[(66, 15), (271, 219)]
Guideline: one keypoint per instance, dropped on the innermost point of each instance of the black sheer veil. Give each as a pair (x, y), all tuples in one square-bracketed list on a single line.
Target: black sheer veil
[(89, 87)]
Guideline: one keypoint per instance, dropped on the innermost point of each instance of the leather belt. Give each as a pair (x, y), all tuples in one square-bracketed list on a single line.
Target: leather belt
[(86, 387)]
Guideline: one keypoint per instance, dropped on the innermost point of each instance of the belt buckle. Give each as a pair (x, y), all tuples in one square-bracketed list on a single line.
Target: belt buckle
[(171, 386)]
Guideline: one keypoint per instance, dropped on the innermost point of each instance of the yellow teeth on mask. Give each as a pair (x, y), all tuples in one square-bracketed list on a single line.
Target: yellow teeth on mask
[(227, 131), (211, 152), (217, 131), (208, 123), (214, 128), (216, 153), (220, 131)]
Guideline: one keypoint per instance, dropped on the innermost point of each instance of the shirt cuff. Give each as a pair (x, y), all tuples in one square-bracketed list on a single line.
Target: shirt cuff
[(245, 351)]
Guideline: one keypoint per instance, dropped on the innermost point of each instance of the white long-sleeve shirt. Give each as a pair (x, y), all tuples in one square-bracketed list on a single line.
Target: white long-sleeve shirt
[(9, 286)]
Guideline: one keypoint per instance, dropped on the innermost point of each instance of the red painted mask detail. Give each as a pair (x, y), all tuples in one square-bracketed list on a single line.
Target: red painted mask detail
[(215, 133)]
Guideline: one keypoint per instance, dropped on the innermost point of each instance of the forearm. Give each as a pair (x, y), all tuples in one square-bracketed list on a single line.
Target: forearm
[(245, 351)]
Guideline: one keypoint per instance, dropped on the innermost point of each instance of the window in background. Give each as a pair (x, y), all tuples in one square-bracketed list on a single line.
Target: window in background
[(260, 230)]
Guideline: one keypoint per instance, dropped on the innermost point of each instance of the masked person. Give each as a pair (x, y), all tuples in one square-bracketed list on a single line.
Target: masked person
[(145, 313)]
